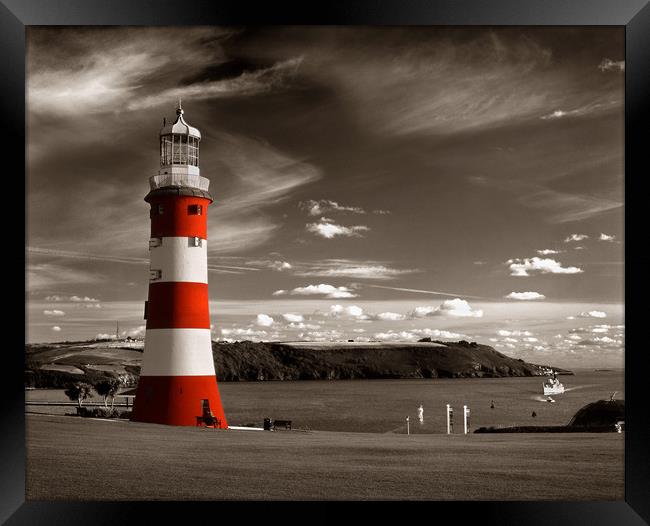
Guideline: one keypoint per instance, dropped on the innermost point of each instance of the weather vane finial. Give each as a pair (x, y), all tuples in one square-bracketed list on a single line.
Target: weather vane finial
[(179, 110)]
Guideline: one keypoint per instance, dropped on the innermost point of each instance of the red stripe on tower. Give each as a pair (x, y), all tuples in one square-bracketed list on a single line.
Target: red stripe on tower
[(177, 380)]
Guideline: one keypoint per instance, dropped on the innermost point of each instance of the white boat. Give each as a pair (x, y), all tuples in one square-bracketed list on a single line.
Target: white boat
[(552, 386)]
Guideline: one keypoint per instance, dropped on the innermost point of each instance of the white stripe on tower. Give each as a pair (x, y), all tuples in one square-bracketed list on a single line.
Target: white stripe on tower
[(178, 352), (180, 259)]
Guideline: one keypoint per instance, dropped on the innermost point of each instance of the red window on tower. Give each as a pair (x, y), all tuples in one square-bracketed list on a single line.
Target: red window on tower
[(195, 210)]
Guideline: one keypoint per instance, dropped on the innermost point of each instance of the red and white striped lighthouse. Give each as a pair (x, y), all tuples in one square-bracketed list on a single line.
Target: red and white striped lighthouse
[(177, 374)]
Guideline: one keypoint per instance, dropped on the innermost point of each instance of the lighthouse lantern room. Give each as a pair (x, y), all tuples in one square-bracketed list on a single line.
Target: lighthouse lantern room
[(177, 384)]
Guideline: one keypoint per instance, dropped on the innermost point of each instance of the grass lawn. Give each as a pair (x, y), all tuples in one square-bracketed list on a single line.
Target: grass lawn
[(85, 459)]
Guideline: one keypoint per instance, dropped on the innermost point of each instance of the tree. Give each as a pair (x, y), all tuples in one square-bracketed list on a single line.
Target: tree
[(108, 388), (79, 392)]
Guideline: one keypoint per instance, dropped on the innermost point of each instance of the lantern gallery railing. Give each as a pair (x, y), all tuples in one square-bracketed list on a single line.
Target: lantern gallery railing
[(193, 181)]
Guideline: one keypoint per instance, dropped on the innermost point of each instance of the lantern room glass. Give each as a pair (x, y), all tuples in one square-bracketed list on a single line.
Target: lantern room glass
[(177, 149)]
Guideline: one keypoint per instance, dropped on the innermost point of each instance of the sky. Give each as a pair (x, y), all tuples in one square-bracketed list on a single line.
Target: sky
[(369, 183)]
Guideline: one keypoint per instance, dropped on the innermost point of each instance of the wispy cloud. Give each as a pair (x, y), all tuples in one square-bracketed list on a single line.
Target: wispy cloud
[(346, 268), (432, 292), (112, 78), (564, 207), (328, 229), (67, 254), (605, 237), (324, 206), (608, 64), (580, 111), (576, 237), (247, 84)]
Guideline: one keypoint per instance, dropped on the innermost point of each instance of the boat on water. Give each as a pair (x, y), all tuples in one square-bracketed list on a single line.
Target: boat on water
[(552, 385)]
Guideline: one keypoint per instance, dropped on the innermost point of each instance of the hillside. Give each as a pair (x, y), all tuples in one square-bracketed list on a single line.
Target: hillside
[(54, 365)]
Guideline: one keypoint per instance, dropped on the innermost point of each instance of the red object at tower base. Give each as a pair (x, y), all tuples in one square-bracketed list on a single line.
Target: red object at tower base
[(177, 400)]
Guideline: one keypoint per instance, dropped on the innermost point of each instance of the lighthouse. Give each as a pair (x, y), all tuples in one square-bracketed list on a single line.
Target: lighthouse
[(177, 378)]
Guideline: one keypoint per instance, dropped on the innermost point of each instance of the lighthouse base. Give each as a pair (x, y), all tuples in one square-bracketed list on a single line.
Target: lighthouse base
[(176, 400)]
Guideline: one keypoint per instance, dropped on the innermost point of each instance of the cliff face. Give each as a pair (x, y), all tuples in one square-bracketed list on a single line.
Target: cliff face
[(277, 361), (57, 365)]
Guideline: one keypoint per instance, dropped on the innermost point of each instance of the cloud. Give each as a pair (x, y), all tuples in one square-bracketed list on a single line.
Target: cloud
[(390, 316), (581, 110), (576, 237), (610, 65), (294, 318), (548, 252), (432, 292), (593, 314), (56, 328), (303, 326), (344, 268), (76, 299), (525, 296), (120, 74), (44, 276), (535, 265), (323, 206), (505, 332), (605, 237), (351, 311), (263, 320), (566, 207), (329, 291), (247, 84), (457, 308), (416, 334), (328, 229), (54, 312), (282, 265), (232, 334)]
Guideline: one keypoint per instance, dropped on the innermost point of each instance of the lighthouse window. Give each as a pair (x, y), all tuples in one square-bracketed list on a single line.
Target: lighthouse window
[(155, 274), (195, 241), (193, 151), (180, 149), (195, 210), (166, 150)]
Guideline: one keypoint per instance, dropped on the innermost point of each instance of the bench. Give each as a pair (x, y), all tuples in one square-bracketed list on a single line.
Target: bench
[(286, 424)]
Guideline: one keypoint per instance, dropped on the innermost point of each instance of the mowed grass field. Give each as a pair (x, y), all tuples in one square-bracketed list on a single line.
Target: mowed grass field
[(87, 459)]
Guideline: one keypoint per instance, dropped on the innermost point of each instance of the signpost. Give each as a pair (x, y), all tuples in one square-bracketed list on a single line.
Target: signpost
[(466, 418)]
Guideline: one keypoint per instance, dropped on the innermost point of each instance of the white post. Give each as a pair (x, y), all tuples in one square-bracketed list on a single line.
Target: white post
[(465, 418), (408, 427), (448, 420)]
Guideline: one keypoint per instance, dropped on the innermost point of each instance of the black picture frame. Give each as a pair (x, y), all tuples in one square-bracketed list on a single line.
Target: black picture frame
[(15, 15)]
